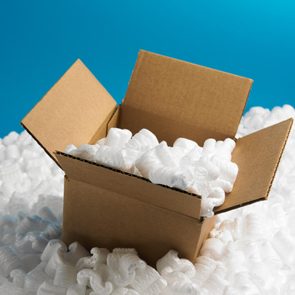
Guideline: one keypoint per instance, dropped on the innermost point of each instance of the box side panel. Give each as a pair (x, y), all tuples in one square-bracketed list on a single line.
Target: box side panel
[(167, 129), (131, 186), (72, 111), (101, 218), (257, 156), (190, 94)]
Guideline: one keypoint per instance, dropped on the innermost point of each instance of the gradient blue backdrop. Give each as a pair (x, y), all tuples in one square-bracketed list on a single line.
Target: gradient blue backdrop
[(40, 39)]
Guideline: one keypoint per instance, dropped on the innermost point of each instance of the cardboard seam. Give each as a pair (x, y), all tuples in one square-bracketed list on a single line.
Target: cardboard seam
[(104, 123), (117, 108), (210, 223)]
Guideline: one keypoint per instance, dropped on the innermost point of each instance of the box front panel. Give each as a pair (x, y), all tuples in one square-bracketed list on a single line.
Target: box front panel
[(97, 217), (130, 186)]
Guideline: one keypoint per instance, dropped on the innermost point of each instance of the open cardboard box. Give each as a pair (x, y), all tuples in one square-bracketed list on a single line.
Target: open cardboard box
[(108, 208)]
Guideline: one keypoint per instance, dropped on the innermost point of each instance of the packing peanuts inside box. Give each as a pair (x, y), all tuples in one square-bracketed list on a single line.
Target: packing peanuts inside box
[(108, 208)]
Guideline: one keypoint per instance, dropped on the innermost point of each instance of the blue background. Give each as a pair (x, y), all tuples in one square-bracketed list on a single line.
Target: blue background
[(39, 40)]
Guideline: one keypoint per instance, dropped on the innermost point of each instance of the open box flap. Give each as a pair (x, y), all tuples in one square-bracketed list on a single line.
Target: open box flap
[(186, 94), (257, 156), (75, 110), (130, 186)]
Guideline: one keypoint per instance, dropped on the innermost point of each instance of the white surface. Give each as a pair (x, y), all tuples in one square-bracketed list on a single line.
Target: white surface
[(250, 251), (206, 171)]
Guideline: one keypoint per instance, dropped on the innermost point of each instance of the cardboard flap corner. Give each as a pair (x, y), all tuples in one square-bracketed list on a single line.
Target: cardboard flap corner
[(258, 156), (186, 94), (72, 111)]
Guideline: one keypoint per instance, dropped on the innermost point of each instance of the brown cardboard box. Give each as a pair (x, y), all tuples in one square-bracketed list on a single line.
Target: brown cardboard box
[(108, 208)]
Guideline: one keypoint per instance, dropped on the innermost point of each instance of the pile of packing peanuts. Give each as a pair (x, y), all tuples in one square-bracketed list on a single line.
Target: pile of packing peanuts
[(250, 250)]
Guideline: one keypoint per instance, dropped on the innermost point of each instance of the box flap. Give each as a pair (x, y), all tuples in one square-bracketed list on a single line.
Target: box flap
[(188, 95), (257, 156), (75, 110), (130, 186)]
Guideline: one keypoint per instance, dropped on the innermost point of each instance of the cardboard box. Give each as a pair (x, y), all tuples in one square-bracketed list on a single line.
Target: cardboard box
[(108, 208)]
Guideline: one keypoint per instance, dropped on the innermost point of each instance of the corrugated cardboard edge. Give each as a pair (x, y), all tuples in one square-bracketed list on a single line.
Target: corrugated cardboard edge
[(40, 144), (125, 173)]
